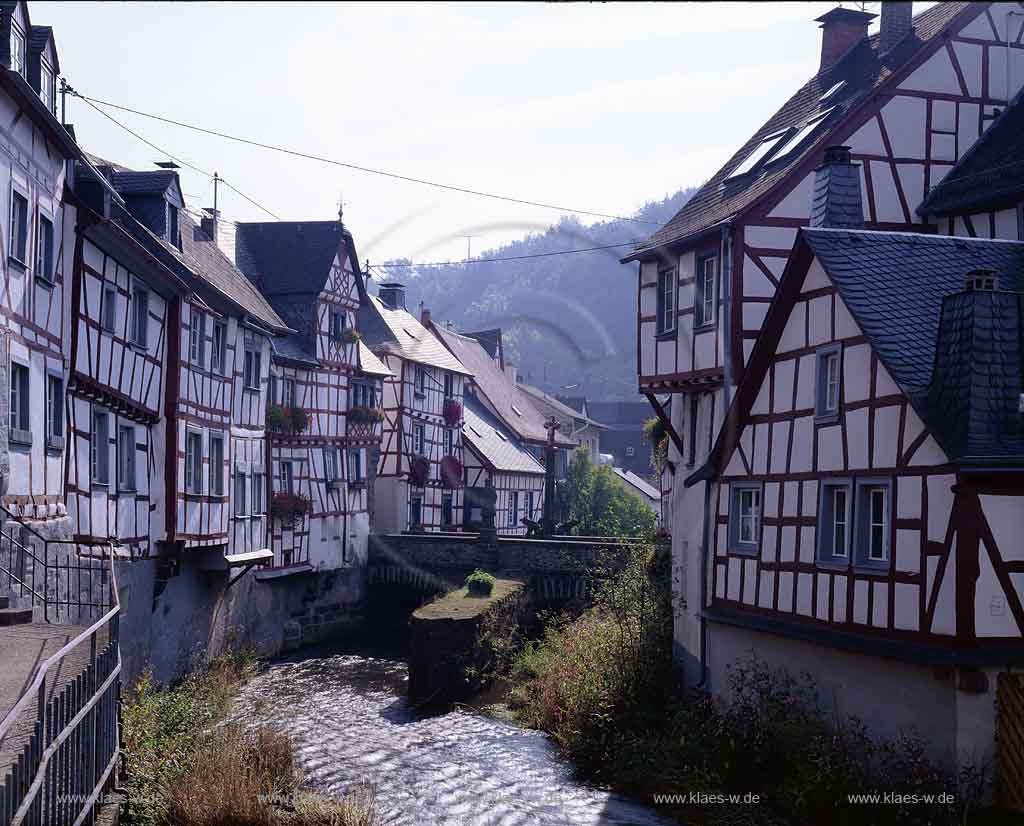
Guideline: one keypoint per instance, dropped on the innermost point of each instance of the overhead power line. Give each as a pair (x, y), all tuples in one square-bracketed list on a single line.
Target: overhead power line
[(408, 178), (401, 264), (165, 153)]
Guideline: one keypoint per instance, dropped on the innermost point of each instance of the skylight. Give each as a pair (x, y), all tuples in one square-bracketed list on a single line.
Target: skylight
[(477, 432), (501, 435), (803, 133), (759, 154), (517, 411), (835, 88)]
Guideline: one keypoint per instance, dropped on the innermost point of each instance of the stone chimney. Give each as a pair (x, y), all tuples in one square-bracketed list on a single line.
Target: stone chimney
[(512, 373), (840, 29), (392, 295), (221, 232), (897, 23), (837, 199), (424, 316)]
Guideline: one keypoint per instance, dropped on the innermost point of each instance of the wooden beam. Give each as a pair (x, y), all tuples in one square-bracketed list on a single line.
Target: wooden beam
[(665, 420)]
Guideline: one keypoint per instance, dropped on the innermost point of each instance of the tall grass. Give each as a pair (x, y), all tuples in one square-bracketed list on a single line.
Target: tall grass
[(185, 766), (604, 687)]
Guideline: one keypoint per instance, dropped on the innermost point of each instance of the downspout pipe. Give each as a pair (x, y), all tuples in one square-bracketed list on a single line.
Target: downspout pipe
[(705, 555)]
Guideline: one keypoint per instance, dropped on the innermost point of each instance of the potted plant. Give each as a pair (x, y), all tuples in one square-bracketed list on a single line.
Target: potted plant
[(275, 418), (480, 583), (657, 435), (361, 414), (451, 472), (296, 419), (289, 507), (350, 336), (452, 412), (419, 470)]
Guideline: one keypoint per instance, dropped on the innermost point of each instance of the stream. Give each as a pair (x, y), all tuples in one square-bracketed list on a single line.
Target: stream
[(348, 717)]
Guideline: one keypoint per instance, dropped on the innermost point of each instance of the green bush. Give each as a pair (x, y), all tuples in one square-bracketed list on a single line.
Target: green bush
[(480, 583), (593, 495)]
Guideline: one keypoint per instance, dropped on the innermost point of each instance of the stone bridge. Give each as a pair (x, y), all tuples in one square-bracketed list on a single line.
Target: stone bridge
[(556, 569)]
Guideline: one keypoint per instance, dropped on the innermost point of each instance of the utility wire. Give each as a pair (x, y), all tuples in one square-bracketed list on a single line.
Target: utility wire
[(174, 158), (358, 168), (398, 264)]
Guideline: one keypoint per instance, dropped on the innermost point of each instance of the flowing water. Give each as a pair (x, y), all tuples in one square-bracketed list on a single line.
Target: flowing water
[(349, 719)]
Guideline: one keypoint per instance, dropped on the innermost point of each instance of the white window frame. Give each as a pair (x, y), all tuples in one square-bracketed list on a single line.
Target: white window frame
[(287, 471), (513, 508), (127, 478), (741, 540), (108, 309), (217, 463), (44, 268), (288, 392), (54, 406), (99, 446), (19, 49), (828, 393), (252, 368), (219, 356), (829, 520), (241, 490), (449, 441), (665, 304), (706, 291), (193, 461), (47, 87), (258, 504), (196, 332), (420, 380), (19, 234), (20, 396), (419, 438), (355, 465)]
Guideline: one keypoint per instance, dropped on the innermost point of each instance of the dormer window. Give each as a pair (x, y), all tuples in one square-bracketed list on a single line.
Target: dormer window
[(47, 90), (17, 49), (173, 235)]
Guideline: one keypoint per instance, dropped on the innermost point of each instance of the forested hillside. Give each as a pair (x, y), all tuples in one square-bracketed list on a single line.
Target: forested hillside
[(568, 319)]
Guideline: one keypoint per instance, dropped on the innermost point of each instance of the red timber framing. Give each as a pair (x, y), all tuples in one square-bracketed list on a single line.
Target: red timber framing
[(906, 136), (950, 587)]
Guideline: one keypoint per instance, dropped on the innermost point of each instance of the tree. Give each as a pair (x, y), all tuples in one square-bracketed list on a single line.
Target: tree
[(595, 497)]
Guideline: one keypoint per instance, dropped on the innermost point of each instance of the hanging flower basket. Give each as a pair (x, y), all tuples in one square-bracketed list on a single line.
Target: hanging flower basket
[(289, 507), (419, 471), (350, 336), (360, 414), (452, 412), (287, 419), (451, 472)]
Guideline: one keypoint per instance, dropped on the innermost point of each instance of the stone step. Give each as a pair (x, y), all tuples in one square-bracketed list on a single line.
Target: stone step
[(15, 616)]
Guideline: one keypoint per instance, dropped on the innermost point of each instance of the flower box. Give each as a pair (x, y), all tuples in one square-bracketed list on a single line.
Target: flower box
[(451, 472), (452, 412), (287, 419), (360, 414), (289, 507), (419, 471)]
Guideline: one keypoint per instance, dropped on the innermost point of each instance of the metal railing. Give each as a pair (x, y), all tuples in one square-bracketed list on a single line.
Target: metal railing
[(71, 724)]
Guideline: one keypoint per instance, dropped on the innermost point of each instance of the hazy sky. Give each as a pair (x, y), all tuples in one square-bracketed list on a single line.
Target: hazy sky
[(597, 107)]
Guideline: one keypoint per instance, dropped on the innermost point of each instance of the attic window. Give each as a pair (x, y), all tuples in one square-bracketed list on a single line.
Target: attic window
[(477, 432), (411, 335), (802, 134), (833, 91), (17, 49), (517, 411), (173, 236), (760, 154), (501, 435)]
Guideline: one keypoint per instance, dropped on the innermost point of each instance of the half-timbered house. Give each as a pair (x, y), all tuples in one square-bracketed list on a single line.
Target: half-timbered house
[(420, 471), (495, 458), (909, 101), (321, 451), (36, 259)]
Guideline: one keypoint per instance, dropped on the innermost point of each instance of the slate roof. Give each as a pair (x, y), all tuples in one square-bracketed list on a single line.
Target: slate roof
[(526, 421), (989, 176), (149, 182), (292, 347), (369, 363), (549, 402), (286, 257), (38, 37), (490, 340), (502, 452), (863, 69), (396, 331), (630, 478), (621, 415)]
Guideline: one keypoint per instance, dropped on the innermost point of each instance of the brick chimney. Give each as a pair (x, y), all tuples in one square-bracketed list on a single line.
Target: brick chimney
[(897, 23), (837, 199), (424, 316), (392, 295), (840, 29)]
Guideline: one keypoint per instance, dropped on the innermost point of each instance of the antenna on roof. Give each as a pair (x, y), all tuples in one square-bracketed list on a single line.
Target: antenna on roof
[(167, 164)]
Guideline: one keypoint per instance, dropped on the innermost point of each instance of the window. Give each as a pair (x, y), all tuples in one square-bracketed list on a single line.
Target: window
[(364, 395), (355, 466), (54, 406), (760, 153), (337, 324), (241, 491), (17, 49), (529, 504), (126, 457), (99, 447), (219, 359), (44, 249), (416, 510), (802, 134), (449, 441), (873, 522), (288, 392), (744, 517), (252, 369), (331, 468), (258, 486), (834, 521), (196, 329), (287, 477), (449, 385), (513, 509), (108, 312), (666, 304), (630, 451), (419, 438), (47, 91), (706, 294), (19, 397), (19, 226), (193, 461), (420, 380), (216, 464), (140, 318), (172, 226), (447, 512), (829, 384), (694, 412)]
